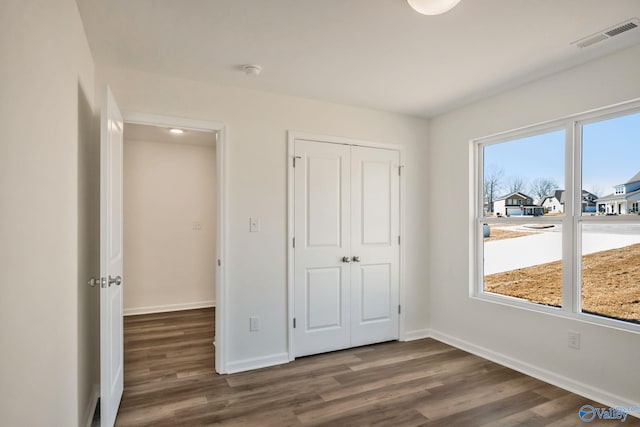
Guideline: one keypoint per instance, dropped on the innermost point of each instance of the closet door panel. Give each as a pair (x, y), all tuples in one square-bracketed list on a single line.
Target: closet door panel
[(375, 249), (322, 230)]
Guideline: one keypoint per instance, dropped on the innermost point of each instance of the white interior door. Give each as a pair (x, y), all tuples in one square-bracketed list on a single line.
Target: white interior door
[(375, 227), (111, 332), (346, 255), (322, 210)]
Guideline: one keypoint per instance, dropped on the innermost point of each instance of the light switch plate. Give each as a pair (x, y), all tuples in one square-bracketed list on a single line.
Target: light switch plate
[(254, 324), (574, 340)]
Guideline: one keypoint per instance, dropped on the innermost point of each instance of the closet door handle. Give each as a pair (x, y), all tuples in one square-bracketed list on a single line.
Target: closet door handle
[(356, 259), (117, 280), (346, 259)]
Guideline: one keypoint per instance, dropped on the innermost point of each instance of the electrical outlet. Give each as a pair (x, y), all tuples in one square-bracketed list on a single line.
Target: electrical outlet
[(254, 324), (196, 226), (574, 340)]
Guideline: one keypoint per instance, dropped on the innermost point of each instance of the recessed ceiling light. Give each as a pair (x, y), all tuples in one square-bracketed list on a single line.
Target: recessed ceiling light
[(176, 131)]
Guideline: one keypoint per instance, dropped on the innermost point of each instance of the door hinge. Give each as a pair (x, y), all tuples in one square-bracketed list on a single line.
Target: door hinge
[(398, 239), (399, 170), (294, 322), (219, 263), (294, 160), (399, 309), (294, 242)]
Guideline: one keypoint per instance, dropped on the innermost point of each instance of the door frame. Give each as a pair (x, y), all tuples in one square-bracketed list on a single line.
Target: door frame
[(292, 136), (221, 214)]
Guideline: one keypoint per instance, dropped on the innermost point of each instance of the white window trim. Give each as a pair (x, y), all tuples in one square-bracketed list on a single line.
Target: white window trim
[(571, 221)]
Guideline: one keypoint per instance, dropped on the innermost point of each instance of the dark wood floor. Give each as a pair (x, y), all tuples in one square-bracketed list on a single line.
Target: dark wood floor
[(170, 381)]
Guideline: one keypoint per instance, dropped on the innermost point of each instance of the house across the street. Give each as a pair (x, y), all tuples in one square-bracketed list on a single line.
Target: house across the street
[(624, 200), (554, 203), (517, 204)]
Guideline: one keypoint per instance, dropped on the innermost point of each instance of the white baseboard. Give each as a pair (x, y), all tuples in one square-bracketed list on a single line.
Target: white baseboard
[(257, 363), (416, 335), (167, 308), (561, 381), (91, 406)]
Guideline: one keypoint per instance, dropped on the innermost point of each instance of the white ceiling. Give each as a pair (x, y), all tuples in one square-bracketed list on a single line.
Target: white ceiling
[(137, 132), (372, 53)]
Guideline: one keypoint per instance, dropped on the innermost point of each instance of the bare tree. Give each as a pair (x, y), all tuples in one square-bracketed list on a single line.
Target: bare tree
[(492, 185), (542, 187), (596, 189), (517, 184)]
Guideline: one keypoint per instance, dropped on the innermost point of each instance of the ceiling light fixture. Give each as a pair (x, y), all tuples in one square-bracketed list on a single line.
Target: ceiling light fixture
[(252, 69), (176, 131), (432, 7)]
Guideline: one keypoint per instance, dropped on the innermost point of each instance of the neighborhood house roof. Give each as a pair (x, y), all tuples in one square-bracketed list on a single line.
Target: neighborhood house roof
[(635, 178), (560, 196), (618, 196), (510, 196), (613, 196)]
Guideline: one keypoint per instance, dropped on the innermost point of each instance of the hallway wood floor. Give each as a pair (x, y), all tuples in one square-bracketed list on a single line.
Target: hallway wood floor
[(170, 381)]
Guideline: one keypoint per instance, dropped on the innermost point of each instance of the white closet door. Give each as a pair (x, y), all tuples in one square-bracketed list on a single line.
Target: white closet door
[(322, 233), (375, 206)]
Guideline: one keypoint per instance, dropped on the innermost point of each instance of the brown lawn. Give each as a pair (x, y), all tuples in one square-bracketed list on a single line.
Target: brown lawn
[(501, 234), (610, 283)]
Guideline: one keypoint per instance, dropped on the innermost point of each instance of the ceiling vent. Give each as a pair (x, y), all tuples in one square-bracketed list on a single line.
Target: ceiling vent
[(607, 33)]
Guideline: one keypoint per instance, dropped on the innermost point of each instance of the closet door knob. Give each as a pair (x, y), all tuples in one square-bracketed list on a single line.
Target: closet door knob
[(346, 259), (356, 259)]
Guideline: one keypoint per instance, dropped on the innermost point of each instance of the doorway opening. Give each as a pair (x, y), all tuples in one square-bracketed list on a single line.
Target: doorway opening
[(174, 221), (169, 219)]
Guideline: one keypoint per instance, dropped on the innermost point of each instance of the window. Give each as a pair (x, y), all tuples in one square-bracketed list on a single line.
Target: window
[(530, 257), (516, 253)]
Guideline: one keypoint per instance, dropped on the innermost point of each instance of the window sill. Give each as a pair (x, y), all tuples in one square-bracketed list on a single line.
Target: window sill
[(560, 312)]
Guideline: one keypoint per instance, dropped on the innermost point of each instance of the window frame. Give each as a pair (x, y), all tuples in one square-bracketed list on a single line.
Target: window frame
[(571, 221)]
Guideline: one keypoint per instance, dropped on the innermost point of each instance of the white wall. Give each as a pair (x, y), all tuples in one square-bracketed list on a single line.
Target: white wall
[(607, 364), (168, 187), (48, 224), (257, 124)]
